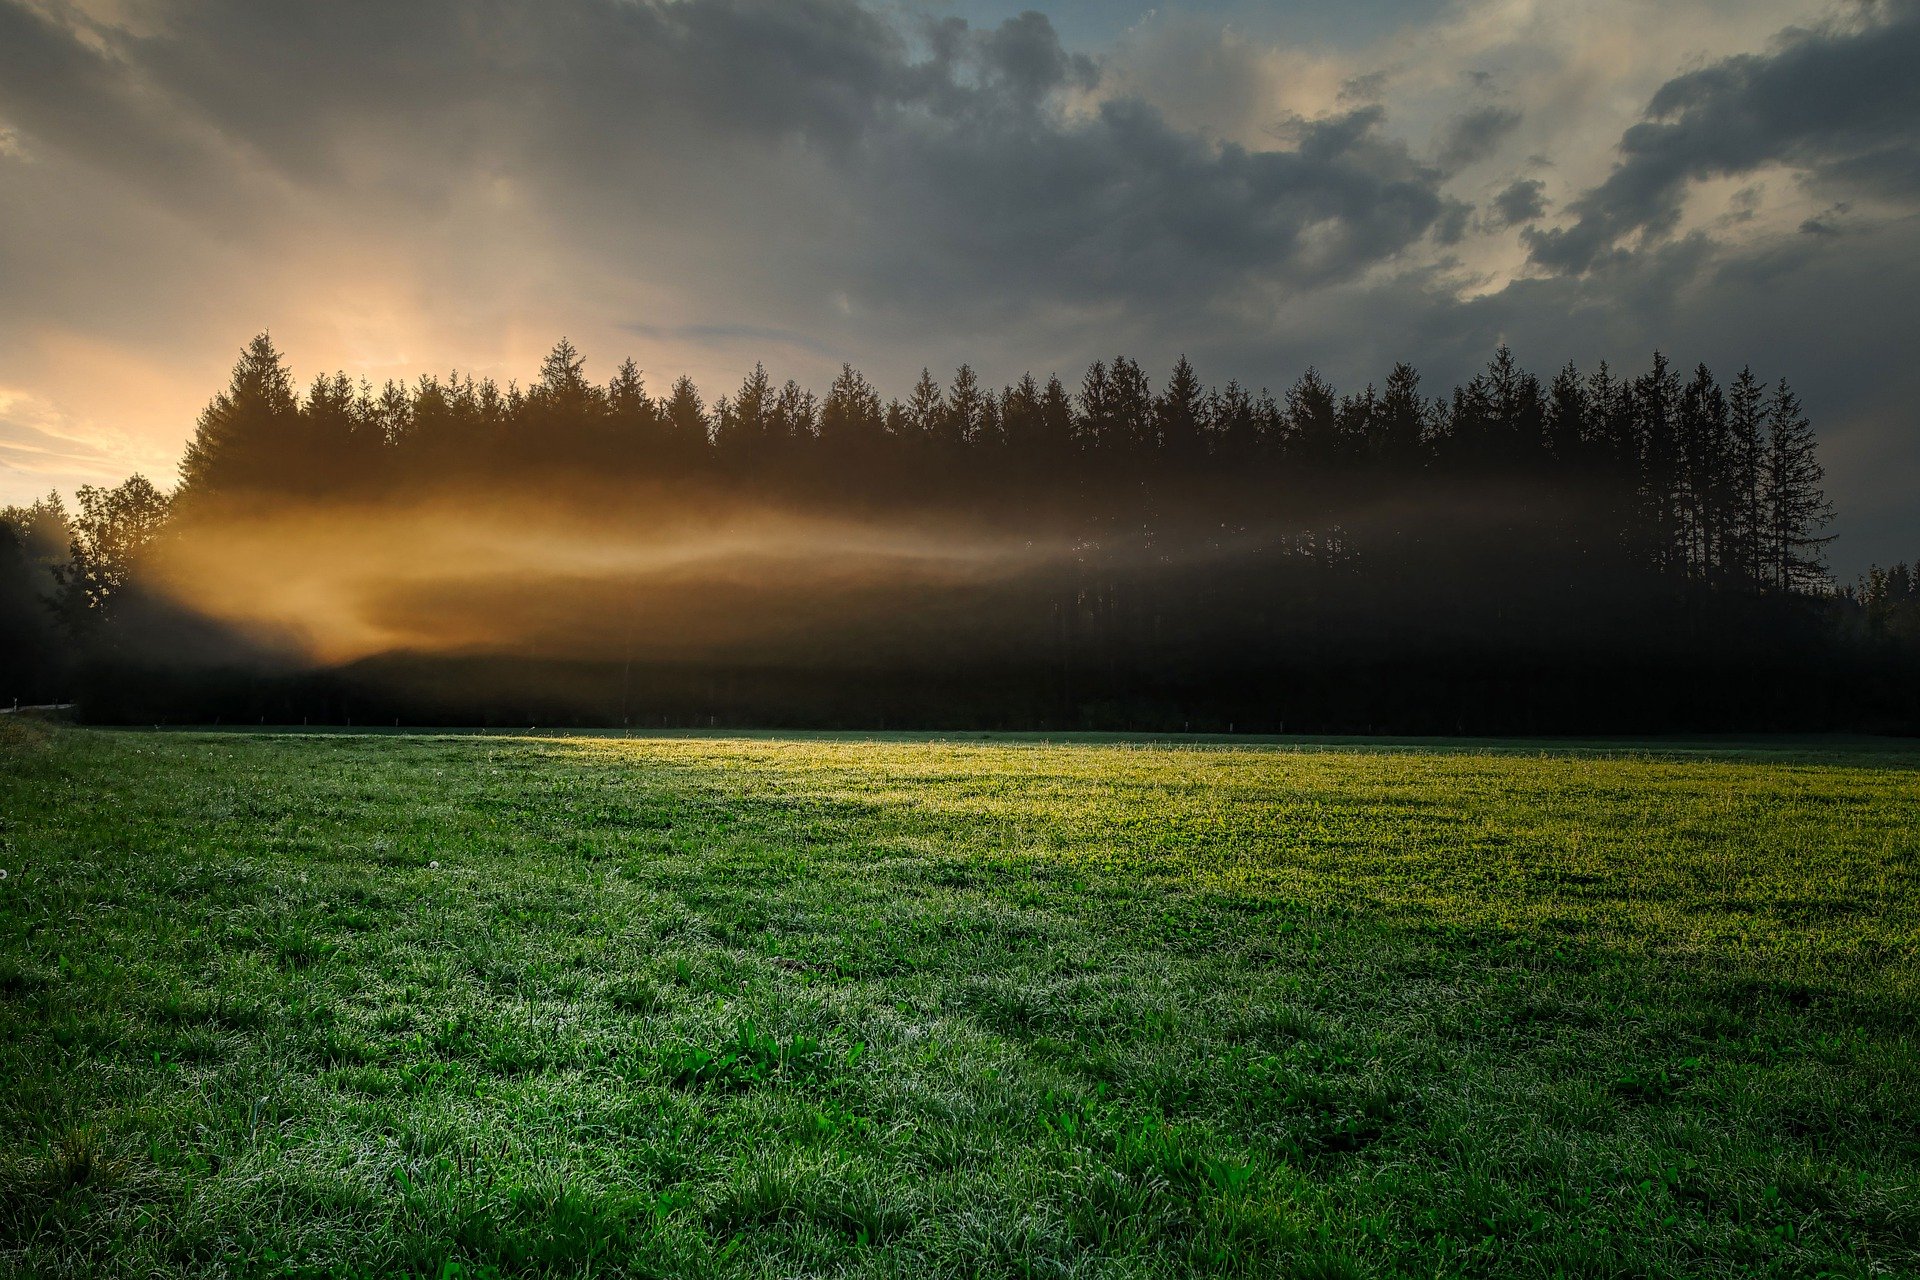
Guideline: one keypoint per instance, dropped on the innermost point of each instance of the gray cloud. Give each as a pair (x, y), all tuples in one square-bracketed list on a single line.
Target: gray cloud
[(1839, 104), (1477, 134), (921, 164), (1521, 201)]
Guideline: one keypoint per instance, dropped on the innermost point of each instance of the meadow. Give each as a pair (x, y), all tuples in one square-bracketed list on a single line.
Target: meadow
[(471, 1005)]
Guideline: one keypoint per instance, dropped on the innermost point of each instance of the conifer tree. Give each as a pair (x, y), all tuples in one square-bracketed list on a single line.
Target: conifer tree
[(742, 423), (1797, 507), (1313, 420), (1656, 397), (1056, 420), (1567, 414), (1179, 415), (1097, 426), (248, 437), (1234, 428), (851, 417), (685, 421), (966, 410), (926, 408), (1399, 431), (632, 420), (1747, 433), (1021, 426)]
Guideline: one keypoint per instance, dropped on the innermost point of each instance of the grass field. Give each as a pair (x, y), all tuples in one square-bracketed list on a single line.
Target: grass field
[(463, 1005)]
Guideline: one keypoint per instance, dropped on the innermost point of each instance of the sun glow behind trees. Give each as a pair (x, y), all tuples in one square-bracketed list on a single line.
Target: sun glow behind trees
[(1029, 554)]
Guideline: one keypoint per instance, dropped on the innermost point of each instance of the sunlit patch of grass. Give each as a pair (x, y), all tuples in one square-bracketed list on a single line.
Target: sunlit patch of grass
[(468, 1005)]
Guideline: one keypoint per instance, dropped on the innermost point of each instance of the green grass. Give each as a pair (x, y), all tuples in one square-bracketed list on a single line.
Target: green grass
[(466, 1005)]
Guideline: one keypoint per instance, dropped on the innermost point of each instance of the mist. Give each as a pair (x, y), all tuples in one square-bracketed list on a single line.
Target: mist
[(1591, 551)]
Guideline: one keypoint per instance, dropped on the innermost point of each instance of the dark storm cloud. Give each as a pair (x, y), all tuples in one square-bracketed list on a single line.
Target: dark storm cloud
[(1455, 218), (1521, 201), (943, 147), (1122, 205), (1477, 134), (1841, 105)]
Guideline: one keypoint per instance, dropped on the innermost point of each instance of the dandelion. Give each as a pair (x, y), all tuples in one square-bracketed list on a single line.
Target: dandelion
[(433, 866), (3, 873)]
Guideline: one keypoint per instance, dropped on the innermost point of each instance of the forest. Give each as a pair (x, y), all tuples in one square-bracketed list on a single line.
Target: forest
[(1593, 552)]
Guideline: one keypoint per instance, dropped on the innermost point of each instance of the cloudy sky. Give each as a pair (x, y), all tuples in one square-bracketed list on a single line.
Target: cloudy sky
[(396, 188)]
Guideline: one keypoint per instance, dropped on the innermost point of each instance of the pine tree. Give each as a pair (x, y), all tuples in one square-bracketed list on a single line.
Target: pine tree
[(1132, 405), (1797, 507), (1705, 488), (1233, 426), (1098, 428), (633, 429), (563, 378), (851, 417), (1313, 420), (1056, 420), (1398, 438), (1516, 410), (563, 416), (343, 451), (1567, 412), (742, 423), (1747, 528), (926, 409), (685, 420), (248, 437), (1656, 396), (792, 421), (962, 423), (1179, 415), (1608, 437), (1356, 418), (1021, 423)]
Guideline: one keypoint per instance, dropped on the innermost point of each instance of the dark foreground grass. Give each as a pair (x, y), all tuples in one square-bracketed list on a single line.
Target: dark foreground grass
[(329, 1005)]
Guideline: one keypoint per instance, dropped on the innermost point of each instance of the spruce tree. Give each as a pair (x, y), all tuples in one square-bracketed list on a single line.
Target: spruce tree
[(1747, 437), (1179, 415), (1797, 507), (926, 409), (1399, 423), (685, 420), (851, 417), (248, 437)]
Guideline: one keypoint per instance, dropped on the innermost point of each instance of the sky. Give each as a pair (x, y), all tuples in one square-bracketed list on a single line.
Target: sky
[(700, 184)]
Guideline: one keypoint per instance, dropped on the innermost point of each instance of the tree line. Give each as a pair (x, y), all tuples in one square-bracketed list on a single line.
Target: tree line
[(1234, 552), (1710, 484)]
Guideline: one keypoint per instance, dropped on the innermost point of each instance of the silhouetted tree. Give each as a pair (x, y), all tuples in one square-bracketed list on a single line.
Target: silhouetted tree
[(1313, 420), (852, 419), (110, 531), (688, 431), (249, 436), (1797, 507), (1179, 415), (1399, 423)]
